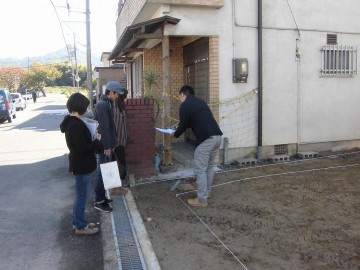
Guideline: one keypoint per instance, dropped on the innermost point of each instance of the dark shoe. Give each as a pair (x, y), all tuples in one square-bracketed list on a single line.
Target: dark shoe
[(195, 202), (108, 200), (103, 207), (86, 231)]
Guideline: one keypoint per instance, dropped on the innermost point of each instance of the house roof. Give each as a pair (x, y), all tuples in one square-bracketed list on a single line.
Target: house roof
[(134, 35)]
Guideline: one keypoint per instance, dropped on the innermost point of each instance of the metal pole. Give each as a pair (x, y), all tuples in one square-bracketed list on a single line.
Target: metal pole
[(77, 79), (88, 55), (260, 82)]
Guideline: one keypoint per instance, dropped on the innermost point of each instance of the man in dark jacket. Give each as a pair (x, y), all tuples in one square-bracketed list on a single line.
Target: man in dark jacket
[(104, 114), (194, 113)]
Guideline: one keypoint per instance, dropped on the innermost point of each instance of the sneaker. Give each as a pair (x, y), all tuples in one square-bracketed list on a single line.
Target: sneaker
[(195, 202), (90, 225), (86, 231), (103, 207), (108, 200)]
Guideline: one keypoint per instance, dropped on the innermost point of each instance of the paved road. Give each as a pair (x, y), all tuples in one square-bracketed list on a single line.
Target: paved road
[(36, 195)]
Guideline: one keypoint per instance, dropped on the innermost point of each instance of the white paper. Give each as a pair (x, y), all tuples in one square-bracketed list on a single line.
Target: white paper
[(166, 130), (92, 125)]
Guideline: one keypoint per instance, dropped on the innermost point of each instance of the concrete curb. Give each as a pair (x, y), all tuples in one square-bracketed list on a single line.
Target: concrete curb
[(141, 234)]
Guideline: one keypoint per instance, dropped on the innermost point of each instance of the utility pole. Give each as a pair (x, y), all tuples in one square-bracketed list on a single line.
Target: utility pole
[(76, 75), (88, 55)]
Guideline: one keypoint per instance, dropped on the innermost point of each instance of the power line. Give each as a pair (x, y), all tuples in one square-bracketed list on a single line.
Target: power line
[(62, 31)]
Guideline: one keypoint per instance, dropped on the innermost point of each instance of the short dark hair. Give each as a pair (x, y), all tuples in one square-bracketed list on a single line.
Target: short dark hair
[(186, 90), (77, 103)]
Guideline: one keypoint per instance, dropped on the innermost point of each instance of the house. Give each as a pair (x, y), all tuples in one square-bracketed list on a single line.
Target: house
[(108, 72), (281, 76)]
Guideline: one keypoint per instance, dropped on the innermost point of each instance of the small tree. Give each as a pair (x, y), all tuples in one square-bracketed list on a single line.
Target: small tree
[(150, 81), (39, 75)]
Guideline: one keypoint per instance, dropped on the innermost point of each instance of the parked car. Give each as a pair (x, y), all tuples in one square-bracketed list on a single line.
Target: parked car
[(19, 101), (7, 106), (26, 93)]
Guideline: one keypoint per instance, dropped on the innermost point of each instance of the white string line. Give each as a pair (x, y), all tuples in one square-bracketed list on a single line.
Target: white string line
[(276, 174), (249, 178), (248, 168), (207, 227)]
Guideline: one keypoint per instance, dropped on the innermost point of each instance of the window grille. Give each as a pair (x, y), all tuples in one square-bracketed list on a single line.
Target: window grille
[(339, 60)]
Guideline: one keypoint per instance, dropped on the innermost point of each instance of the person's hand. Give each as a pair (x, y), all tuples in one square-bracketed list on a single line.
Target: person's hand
[(107, 152), (97, 136)]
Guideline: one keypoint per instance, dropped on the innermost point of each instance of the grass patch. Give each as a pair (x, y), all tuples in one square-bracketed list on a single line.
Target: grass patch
[(65, 90)]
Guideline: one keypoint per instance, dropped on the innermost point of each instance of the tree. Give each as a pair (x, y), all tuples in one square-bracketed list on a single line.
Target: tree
[(66, 70), (10, 77), (39, 75), (66, 78)]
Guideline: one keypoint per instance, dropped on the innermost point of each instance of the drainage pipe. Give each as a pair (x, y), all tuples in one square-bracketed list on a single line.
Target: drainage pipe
[(260, 81)]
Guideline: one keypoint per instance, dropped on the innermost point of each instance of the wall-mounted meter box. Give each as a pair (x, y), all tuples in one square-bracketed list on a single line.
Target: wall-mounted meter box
[(240, 70)]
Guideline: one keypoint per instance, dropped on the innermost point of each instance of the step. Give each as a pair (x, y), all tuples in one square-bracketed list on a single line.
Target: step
[(184, 154)]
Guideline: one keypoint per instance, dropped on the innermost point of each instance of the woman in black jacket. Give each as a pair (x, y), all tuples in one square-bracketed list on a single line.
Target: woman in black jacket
[(82, 159)]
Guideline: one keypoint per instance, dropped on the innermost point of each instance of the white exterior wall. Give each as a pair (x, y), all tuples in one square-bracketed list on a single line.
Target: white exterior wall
[(299, 106), (305, 107)]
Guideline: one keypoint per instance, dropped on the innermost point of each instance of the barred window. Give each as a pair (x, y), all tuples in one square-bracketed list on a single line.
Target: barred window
[(339, 60)]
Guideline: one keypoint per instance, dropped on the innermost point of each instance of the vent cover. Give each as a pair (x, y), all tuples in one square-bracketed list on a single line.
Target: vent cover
[(331, 39), (280, 149)]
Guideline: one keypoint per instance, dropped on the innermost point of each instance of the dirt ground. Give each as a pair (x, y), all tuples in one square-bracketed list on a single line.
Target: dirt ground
[(294, 215)]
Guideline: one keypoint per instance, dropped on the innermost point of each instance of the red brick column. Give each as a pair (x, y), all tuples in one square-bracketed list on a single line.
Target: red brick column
[(140, 147)]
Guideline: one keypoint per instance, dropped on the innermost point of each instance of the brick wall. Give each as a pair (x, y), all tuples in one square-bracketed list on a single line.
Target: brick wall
[(153, 59), (140, 147)]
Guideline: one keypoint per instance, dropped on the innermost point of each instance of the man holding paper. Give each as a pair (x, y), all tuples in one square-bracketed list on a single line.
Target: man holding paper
[(194, 113)]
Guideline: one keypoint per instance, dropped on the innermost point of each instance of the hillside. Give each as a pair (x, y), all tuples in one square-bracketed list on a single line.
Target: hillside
[(57, 56)]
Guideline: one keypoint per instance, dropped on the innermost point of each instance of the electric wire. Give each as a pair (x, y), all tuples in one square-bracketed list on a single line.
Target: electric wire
[(62, 30), (297, 28)]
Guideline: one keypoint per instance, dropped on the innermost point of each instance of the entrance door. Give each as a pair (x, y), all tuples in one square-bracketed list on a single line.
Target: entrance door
[(196, 72)]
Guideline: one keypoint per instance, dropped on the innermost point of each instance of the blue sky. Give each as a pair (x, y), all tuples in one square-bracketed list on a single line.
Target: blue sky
[(31, 28)]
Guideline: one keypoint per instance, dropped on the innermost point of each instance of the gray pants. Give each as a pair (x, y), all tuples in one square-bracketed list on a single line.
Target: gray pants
[(204, 165)]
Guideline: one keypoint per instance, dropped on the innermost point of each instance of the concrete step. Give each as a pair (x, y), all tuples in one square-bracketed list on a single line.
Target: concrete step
[(184, 154)]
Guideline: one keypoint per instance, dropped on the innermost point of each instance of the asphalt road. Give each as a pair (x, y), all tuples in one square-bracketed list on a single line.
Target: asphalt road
[(37, 192)]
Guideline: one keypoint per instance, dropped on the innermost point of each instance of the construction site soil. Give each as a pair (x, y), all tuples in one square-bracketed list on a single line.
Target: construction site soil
[(302, 214)]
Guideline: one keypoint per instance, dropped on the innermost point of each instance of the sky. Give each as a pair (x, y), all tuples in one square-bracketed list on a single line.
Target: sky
[(30, 28)]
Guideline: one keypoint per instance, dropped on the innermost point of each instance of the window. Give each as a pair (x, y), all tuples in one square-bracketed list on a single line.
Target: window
[(339, 60)]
